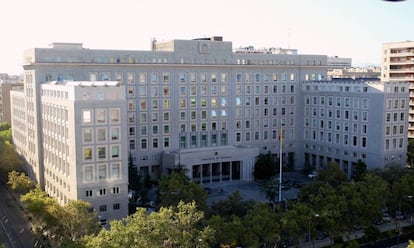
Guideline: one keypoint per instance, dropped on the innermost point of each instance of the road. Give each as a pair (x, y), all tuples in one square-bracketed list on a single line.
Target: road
[(14, 226)]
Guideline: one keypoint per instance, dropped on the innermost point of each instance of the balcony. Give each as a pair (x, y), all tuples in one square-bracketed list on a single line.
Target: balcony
[(403, 62)]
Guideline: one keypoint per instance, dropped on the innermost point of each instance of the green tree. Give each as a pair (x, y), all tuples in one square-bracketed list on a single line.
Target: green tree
[(265, 166), (374, 191), (9, 160), (271, 190), (410, 152), (228, 231), (262, 227), (332, 175), (179, 226), (296, 221), (77, 220), (233, 205), (359, 170), (18, 181), (177, 187), (5, 135), (4, 126)]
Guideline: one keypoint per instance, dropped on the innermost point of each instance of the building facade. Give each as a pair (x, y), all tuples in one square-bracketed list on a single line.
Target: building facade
[(5, 88), (398, 65), (349, 121), (199, 104)]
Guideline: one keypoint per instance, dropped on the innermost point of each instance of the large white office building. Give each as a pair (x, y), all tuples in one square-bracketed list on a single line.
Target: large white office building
[(200, 104)]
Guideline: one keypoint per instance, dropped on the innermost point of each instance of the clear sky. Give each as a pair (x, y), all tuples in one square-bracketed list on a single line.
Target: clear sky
[(345, 28)]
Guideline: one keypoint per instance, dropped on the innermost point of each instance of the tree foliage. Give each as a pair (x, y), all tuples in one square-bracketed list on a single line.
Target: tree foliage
[(263, 227), (177, 187), (180, 226), (234, 205), (9, 160), (18, 181), (66, 223), (332, 175), (265, 166)]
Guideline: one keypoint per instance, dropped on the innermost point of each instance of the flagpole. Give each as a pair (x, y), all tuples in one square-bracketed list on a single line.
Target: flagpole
[(280, 164)]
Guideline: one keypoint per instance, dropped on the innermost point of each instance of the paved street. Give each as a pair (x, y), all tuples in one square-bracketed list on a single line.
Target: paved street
[(251, 190), (14, 226)]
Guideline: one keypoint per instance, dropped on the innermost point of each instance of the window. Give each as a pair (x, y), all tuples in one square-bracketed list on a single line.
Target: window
[(116, 206), (166, 129), (87, 154), (115, 171), (101, 134), (102, 208), (88, 193), (102, 171), (100, 116), (114, 115), (114, 133), (183, 142), (86, 117), (144, 144), (115, 152), (115, 190), (214, 139), (155, 143), (87, 135), (166, 142), (132, 144), (101, 152), (88, 172)]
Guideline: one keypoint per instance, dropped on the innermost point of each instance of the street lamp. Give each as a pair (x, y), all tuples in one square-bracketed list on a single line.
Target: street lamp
[(310, 234)]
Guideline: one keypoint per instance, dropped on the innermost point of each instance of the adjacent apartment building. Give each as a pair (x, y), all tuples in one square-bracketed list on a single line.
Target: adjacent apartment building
[(199, 104), (5, 87), (398, 65)]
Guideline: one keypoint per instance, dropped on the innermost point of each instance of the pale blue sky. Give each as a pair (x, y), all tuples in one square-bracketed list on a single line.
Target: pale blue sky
[(346, 28)]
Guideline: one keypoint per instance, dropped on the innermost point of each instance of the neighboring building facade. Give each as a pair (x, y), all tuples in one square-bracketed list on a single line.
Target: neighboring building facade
[(370, 73), (349, 121), (398, 65), (5, 88), (335, 62)]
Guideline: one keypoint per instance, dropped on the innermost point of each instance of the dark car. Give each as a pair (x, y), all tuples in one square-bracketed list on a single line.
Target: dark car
[(321, 235), (284, 243)]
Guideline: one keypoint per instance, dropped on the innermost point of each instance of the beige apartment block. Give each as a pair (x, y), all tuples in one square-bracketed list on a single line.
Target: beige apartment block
[(398, 65)]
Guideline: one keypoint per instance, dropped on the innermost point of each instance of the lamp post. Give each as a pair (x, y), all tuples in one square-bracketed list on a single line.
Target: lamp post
[(310, 233)]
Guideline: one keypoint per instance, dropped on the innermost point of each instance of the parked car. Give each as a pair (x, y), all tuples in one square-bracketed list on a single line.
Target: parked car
[(400, 216), (321, 235), (386, 217), (284, 243), (313, 175)]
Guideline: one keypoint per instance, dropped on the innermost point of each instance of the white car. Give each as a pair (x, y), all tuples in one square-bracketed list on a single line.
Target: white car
[(313, 175)]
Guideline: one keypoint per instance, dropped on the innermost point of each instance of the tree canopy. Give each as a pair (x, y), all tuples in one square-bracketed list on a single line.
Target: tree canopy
[(177, 187), (175, 226)]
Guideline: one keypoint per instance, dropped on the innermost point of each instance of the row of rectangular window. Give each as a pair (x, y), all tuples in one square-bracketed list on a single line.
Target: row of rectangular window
[(335, 138), (100, 116), (339, 125), (100, 135), (101, 154), (337, 101), (101, 191), (339, 114), (100, 172)]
